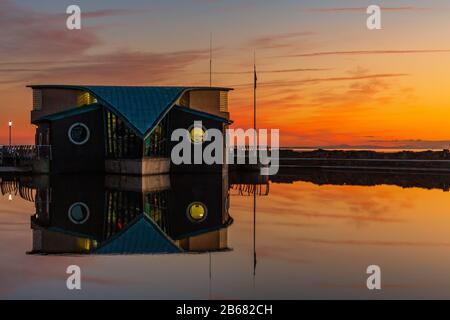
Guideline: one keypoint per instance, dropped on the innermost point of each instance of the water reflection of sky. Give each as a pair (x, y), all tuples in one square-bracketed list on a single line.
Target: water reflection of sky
[(312, 242)]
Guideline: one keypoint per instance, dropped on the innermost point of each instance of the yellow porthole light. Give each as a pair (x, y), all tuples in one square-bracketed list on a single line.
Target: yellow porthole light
[(197, 135), (197, 211)]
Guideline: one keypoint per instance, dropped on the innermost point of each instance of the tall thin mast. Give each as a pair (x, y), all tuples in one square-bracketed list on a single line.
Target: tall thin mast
[(210, 59), (210, 276), (255, 80)]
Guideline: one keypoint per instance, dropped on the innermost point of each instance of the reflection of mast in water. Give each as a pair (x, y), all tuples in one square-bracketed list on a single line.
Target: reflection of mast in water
[(254, 237), (255, 80), (210, 296)]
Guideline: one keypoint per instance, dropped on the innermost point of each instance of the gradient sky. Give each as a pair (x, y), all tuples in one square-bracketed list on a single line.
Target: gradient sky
[(324, 78)]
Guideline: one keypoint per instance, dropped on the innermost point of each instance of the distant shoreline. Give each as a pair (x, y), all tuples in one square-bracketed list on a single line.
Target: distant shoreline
[(366, 159), (367, 153), (364, 148), (380, 150)]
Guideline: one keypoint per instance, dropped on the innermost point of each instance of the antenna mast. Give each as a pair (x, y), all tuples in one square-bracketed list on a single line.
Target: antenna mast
[(255, 80), (210, 59)]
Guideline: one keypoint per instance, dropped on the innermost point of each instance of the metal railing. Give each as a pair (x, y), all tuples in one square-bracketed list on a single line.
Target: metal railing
[(249, 189), (13, 186), (20, 154)]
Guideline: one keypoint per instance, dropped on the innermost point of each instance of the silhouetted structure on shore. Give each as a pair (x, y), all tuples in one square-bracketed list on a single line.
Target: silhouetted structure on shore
[(363, 178), (438, 161)]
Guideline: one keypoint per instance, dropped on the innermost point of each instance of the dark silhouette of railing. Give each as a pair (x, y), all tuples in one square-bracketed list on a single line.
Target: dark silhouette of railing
[(13, 186), (248, 152), (23, 155), (9, 187), (27, 193), (250, 189)]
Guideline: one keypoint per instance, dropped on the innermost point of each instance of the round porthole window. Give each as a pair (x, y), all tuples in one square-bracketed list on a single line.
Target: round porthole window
[(197, 134), (78, 133), (197, 212), (78, 213)]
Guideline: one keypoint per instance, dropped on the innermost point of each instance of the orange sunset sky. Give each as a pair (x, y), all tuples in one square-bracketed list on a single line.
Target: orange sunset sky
[(324, 78)]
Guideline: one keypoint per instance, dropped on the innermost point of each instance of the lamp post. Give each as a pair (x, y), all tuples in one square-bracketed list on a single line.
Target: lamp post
[(10, 128)]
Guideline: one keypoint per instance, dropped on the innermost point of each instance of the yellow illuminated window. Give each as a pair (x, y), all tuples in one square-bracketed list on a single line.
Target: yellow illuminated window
[(185, 100), (85, 98), (197, 211), (223, 101), (197, 135)]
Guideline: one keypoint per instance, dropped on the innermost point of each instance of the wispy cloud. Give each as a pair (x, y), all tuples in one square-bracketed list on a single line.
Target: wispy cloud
[(109, 13), (36, 47), (25, 32), (274, 71), (363, 9), (278, 41), (282, 83), (113, 68), (367, 52), (28, 33)]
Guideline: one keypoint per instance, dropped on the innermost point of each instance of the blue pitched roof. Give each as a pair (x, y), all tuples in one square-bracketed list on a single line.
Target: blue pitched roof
[(139, 237), (141, 107)]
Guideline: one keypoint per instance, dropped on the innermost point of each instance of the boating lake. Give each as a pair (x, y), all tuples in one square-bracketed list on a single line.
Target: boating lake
[(313, 239)]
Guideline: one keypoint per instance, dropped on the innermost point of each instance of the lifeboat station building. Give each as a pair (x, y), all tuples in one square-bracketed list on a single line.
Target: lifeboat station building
[(121, 129)]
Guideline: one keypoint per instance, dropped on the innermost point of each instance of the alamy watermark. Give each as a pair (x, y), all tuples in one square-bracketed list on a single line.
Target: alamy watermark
[(374, 19), (211, 146), (73, 282), (73, 21), (374, 280)]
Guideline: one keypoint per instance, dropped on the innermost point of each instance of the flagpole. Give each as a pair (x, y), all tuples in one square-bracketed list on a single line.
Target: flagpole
[(210, 59), (255, 79)]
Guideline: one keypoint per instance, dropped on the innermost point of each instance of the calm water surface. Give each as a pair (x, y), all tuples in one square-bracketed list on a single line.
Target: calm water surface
[(316, 233)]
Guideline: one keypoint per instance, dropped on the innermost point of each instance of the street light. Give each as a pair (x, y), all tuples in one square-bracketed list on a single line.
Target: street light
[(10, 127)]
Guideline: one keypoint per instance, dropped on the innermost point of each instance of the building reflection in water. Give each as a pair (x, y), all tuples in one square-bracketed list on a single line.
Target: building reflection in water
[(130, 215), (161, 214)]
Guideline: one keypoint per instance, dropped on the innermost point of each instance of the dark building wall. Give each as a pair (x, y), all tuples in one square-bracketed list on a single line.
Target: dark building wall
[(180, 119), (69, 157), (69, 190), (209, 189), (43, 134)]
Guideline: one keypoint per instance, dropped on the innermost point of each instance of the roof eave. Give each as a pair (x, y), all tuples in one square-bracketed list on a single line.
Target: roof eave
[(139, 133)]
